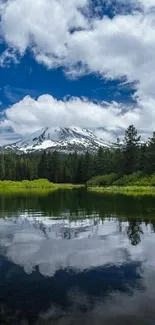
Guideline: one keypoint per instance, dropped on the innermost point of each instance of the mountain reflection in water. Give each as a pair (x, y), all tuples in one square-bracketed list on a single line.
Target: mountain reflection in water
[(74, 257)]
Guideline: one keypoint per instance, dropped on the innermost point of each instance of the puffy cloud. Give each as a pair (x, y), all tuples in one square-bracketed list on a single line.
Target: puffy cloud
[(44, 25), (7, 57), (29, 115), (147, 3), (64, 33), (7, 135)]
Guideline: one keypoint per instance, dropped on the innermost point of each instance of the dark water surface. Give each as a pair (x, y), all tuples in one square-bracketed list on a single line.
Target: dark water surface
[(77, 258)]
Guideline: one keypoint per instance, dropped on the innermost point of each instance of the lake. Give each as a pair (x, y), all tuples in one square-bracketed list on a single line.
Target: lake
[(73, 257)]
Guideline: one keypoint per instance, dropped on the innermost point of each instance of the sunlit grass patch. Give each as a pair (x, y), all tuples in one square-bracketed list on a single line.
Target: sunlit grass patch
[(40, 186), (124, 190)]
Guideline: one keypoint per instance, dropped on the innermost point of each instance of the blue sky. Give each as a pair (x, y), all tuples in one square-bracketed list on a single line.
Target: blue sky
[(30, 78), (81, 62)]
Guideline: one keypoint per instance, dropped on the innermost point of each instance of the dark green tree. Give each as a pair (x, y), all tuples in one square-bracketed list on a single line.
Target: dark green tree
[(131, 152), (43, 166), (149, 165), (2, 167)]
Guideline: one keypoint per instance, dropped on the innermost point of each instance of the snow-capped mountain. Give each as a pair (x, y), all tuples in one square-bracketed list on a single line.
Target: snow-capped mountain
[(60, 139)]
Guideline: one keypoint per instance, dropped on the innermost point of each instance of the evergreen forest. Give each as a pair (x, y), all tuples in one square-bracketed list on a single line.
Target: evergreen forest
[(128, 159)]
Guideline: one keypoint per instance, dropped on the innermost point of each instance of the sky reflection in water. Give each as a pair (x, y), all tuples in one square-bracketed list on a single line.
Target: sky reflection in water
[(62, 270)]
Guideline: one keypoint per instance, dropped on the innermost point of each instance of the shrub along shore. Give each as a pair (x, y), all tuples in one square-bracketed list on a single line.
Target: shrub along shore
[(113, 179), (135, 184)]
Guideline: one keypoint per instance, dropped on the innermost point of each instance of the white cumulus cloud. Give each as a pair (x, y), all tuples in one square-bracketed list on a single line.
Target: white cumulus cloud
[(67, 34), (63, 33), (30, 115)]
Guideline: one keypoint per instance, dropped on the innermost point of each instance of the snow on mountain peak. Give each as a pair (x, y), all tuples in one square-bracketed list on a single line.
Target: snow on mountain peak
[(61, 139)]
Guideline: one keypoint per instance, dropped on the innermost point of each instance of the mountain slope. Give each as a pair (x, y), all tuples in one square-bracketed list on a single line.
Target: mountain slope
[(60, 139)]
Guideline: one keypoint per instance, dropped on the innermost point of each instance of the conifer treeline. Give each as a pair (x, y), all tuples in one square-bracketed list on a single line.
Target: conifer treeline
[(124, 158)]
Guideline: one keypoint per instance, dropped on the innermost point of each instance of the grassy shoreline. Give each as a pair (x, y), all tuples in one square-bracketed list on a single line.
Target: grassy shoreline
[(35, 186), (124, 190), (43, 186)]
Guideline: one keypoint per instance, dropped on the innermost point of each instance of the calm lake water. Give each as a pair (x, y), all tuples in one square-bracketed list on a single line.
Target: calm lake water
[(73, 258)]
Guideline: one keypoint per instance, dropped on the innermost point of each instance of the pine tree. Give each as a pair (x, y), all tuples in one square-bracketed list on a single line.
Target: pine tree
[(87, 170), (149, 165), (2, 167), (43, 166), (79, 174), (56, 168), (131, 150)]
